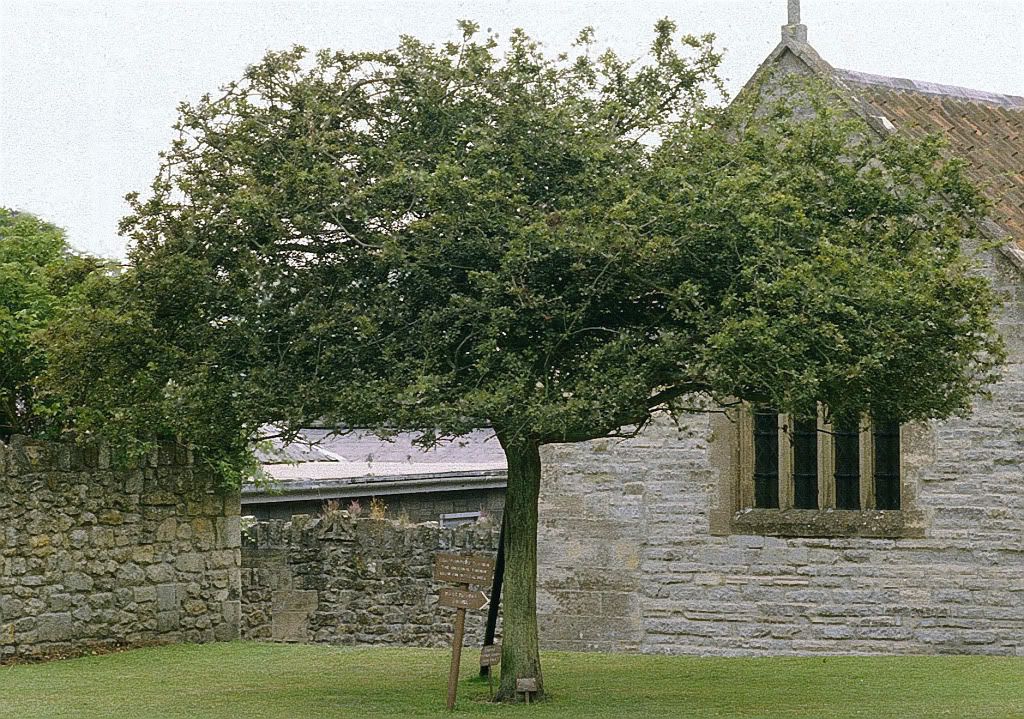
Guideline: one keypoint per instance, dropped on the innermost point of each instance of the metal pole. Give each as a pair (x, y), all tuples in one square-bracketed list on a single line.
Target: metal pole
[(492, 609)]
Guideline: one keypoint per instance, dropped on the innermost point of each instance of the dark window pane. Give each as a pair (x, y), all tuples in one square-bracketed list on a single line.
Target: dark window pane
[(887, 465), (847, 442), (805, 464), (766, 459)]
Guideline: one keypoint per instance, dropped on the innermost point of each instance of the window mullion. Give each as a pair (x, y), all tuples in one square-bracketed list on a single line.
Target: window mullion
[(746, 458), (867, 465), (826, 463), (785, 461)]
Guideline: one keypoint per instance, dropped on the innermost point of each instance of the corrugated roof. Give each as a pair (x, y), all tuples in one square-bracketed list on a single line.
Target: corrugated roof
[(984, 129), (361, 456), (479, 447)]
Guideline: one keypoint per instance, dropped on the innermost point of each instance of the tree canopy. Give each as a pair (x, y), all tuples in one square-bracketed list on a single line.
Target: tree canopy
[(38, 272), (445, 238), (448, 238)]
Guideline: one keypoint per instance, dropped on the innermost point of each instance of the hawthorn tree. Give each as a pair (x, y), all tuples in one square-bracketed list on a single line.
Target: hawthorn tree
[(446, 238)]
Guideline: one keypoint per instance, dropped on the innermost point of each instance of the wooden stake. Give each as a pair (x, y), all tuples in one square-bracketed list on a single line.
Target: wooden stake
[(453, 675)]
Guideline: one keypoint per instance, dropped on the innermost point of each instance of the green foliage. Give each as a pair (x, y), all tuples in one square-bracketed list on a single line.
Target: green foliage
[(38, 274), (444, 238), (828, 266)]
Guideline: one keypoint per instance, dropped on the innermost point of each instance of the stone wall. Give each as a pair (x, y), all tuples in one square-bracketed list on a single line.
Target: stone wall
[(338, 580), (93, 557), (628, 559)]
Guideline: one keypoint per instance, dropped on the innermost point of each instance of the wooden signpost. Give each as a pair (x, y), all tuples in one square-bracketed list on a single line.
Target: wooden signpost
[(465, 570)]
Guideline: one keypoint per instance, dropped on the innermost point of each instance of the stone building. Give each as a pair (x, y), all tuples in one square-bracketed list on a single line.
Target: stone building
[(734, 536)]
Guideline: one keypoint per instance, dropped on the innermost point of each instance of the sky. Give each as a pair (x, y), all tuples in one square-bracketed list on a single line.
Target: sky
[(89, 89)]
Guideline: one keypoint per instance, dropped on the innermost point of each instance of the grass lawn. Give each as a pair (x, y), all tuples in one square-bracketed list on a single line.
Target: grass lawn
[(271, 681)]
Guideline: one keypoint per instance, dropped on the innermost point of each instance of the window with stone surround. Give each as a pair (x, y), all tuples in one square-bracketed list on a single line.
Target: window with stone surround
[(789, 476)]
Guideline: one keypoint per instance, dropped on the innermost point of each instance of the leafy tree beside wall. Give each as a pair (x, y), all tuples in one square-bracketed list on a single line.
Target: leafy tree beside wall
[(38, 273), (446, 238)]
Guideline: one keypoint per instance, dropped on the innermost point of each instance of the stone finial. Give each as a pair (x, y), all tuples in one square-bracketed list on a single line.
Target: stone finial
[(793, 29)]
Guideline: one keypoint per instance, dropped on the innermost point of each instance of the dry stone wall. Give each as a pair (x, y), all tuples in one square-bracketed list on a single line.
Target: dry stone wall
[(628, 560), (338, 580), (93, 557)]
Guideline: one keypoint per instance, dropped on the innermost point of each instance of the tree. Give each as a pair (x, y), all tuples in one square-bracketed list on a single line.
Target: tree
[(442, 239), (38, 271)]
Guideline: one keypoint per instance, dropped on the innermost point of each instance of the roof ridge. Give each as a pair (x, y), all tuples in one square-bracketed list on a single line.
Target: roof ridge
[(1012, 102)]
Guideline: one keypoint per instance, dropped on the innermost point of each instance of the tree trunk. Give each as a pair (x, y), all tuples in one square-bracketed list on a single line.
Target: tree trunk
[(520, 653)]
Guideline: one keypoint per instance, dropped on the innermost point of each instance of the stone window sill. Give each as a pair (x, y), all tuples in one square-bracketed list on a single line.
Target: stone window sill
[(875, 523)]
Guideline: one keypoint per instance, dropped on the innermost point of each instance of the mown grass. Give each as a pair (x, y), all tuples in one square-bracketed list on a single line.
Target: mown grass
[(269, 681)]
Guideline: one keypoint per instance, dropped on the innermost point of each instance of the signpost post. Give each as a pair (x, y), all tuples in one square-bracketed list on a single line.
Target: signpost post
[(464, 570)]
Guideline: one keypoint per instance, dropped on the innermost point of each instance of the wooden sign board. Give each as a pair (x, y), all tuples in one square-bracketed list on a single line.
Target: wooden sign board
[(462, 598), (490, 655), (464, 568), (528, 684)]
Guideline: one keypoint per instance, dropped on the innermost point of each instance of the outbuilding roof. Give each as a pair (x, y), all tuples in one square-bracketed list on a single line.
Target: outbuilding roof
[(323, 464)]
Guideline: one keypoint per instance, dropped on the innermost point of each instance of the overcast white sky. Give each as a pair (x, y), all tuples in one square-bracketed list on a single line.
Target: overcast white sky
[(89, 89)]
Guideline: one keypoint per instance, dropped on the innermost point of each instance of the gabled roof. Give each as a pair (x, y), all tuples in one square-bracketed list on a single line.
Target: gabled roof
[(984, 129)]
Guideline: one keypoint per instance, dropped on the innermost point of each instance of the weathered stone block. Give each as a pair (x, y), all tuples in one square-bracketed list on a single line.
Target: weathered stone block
[(77, 582), (55, 628), (290, 626), (294, 600), (168, 622), (190, 561), (167, 597)]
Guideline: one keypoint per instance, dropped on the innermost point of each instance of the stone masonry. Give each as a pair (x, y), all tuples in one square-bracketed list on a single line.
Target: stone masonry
[(338, 580), (96, 557), (629, 560)]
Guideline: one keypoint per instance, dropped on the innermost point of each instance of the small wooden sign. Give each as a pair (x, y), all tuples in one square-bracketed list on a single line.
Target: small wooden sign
[(526, 685), (490, 655), (475, 569), (461, 598)]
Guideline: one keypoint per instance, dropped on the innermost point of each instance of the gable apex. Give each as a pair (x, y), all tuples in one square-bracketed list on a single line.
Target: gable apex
[(984, 129)]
